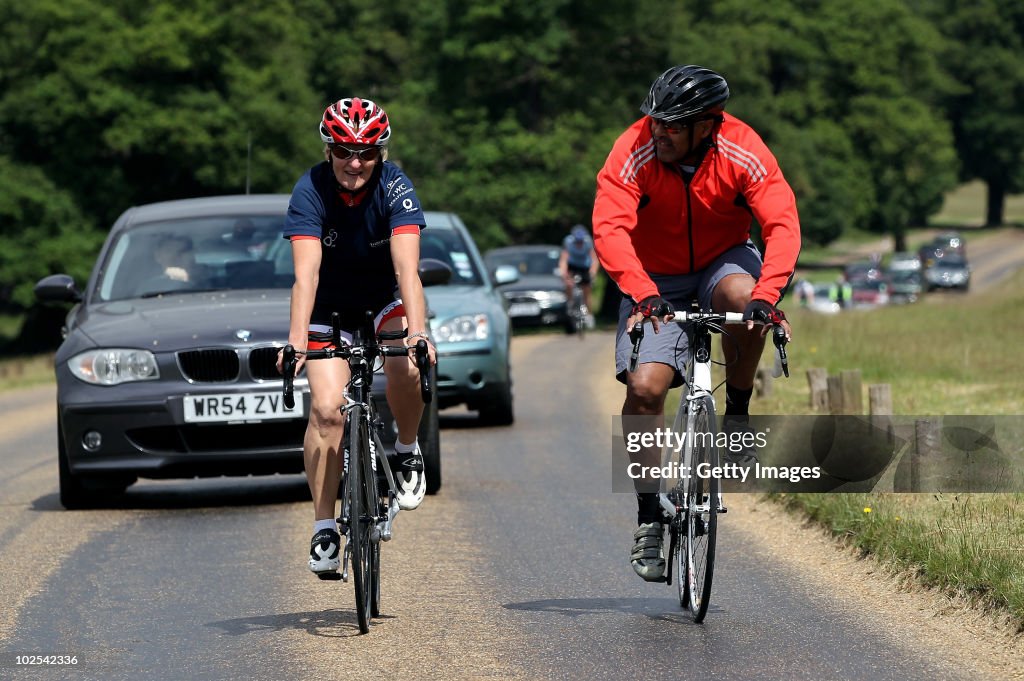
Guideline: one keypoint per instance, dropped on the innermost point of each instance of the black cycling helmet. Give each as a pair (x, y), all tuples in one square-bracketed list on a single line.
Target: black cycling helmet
[(685, 93)]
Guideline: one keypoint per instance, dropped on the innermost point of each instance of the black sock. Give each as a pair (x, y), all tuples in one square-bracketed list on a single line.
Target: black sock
[(737, 402), (649, 508)]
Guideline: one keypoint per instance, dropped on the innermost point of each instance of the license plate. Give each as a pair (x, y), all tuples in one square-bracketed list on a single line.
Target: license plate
[(239, 407), (523, 310)]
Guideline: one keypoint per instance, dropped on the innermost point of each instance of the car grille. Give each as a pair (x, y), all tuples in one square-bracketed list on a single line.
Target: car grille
[(263, 363), (275, 435), (209, 366)]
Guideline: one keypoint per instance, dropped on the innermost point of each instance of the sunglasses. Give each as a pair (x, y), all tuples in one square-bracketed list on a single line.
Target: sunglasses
[(343, 153), (672, 127)]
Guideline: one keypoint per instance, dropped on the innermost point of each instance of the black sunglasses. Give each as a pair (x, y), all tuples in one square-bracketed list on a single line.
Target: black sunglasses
[(673, 127), (343, 153)]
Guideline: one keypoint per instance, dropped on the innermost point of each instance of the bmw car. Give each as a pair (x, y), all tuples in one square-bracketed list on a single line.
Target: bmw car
[(167, 369)]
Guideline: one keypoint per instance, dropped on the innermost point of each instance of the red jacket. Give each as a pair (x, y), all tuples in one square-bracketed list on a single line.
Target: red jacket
[(647, 220)]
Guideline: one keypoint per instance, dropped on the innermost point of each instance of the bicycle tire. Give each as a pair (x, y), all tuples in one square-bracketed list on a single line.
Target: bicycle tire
[(702, 508), (677, 527), (359, 451), (373, 513)]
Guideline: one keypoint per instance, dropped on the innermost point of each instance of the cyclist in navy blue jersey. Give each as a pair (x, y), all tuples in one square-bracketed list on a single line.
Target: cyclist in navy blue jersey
[(578, 257), (354, 223)]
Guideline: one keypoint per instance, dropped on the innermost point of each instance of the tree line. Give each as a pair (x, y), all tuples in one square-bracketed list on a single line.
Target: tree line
[(502, 111)]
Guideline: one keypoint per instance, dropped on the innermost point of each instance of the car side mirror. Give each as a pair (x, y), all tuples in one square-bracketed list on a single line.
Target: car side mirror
[(505, 274), (434, 272), (57, 288)]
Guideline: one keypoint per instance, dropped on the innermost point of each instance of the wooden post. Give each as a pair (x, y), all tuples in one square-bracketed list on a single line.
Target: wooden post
[(880, 408), (817, 379), (880, 399), (835, 395), (853, 399), (926, 444)]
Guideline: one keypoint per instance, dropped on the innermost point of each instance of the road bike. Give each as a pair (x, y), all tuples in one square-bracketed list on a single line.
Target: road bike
[(577, 307), (368, 493), (694, 501)]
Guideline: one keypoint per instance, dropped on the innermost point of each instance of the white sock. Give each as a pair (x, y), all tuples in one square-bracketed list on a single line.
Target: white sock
[(329, 524), (402, 448)]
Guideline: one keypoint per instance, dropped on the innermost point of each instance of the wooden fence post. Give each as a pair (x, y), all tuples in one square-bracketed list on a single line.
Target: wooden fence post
[(880, 408), (817, 379), (926, 444), (848, 385), (763, 382)]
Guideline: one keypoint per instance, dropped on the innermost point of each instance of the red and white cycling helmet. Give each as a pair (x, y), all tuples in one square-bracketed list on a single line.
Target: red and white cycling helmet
[(355, 121)]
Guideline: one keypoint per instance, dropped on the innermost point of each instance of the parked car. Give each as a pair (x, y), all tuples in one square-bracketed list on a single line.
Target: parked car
[(907, 285), (470, 325), (168, 369), (951, 243), (821, 302), (537, 296), (903, 261), (869, 293), (862, 271), (951, 271)]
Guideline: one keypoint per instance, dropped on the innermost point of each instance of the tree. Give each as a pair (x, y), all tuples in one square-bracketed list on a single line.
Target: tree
[(985, 55)]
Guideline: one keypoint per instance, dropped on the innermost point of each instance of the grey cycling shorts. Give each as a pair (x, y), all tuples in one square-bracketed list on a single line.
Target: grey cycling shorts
[(669, 346)]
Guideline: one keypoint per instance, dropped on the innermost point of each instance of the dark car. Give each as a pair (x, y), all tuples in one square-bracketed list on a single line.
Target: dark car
[(469, 324), (862, 271), (168, 369), (537, 296), (906, 285), (951, 271)]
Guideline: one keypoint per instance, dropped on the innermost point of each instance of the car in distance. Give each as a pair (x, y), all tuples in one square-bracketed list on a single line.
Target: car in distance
[(167, 369), (949, 272), (469, 323), (537, 297)]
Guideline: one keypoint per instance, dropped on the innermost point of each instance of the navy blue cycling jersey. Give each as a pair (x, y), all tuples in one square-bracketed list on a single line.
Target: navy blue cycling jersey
[(355, 268)]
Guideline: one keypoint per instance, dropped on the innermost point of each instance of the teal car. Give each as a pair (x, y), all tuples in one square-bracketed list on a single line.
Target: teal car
[(469, 323)]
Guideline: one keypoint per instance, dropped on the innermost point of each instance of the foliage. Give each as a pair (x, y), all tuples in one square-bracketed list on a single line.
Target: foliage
[(503, 111)]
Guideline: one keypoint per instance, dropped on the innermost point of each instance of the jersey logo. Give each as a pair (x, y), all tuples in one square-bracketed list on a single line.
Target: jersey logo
[(331, 239)]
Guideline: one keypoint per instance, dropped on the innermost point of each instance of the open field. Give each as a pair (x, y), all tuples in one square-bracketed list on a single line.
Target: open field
[(965, 207)]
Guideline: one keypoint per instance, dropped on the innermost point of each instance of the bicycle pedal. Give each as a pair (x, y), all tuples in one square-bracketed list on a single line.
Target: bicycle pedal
[(331, 576)]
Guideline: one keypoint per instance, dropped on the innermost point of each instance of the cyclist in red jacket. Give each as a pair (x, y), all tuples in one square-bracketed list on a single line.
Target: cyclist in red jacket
[(675, 201)]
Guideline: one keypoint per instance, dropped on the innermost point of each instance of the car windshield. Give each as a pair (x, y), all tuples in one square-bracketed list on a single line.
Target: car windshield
[(527, 262), (448, 246), (197, 254), (952, 263)]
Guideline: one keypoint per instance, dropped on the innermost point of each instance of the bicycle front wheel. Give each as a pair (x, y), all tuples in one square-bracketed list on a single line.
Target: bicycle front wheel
[(701, 507), (359, 507)]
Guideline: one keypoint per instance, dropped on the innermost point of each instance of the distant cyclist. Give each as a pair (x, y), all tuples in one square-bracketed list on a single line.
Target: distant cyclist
[(675, 202), (578, 257), (354, 223)]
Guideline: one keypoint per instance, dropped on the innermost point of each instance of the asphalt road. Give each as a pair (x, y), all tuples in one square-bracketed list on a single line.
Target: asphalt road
[(519, 568)]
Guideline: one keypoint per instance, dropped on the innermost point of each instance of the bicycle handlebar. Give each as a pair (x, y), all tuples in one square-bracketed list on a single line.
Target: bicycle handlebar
[(636, 334), (366, 349)]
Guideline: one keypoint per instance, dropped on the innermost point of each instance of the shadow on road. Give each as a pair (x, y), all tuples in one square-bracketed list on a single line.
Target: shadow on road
[(663, 609), (328, 623), (207, 493)]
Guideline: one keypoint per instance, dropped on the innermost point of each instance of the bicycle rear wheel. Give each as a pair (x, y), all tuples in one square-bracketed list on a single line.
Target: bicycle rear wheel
[(358, 527), (701, 508)]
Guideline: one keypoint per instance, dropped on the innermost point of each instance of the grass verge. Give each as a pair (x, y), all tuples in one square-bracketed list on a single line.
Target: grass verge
[(951, 356), (20, 372)]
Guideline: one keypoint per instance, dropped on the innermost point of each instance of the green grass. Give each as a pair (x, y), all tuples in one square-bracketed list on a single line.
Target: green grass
[(965, 207), (19, 372), (956, 356), (970, 545)]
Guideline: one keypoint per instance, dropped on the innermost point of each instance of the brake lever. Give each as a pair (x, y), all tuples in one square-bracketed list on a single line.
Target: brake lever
[(423, 363), (288, 369), (636, 334), (779, 338)]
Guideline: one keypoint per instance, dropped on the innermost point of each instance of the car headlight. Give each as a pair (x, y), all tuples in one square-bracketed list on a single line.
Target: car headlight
[(464, 328), (551, 297), (111, 366)]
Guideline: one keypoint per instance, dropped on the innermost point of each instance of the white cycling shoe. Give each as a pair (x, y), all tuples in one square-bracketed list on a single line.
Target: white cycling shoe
[(410, 478)]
